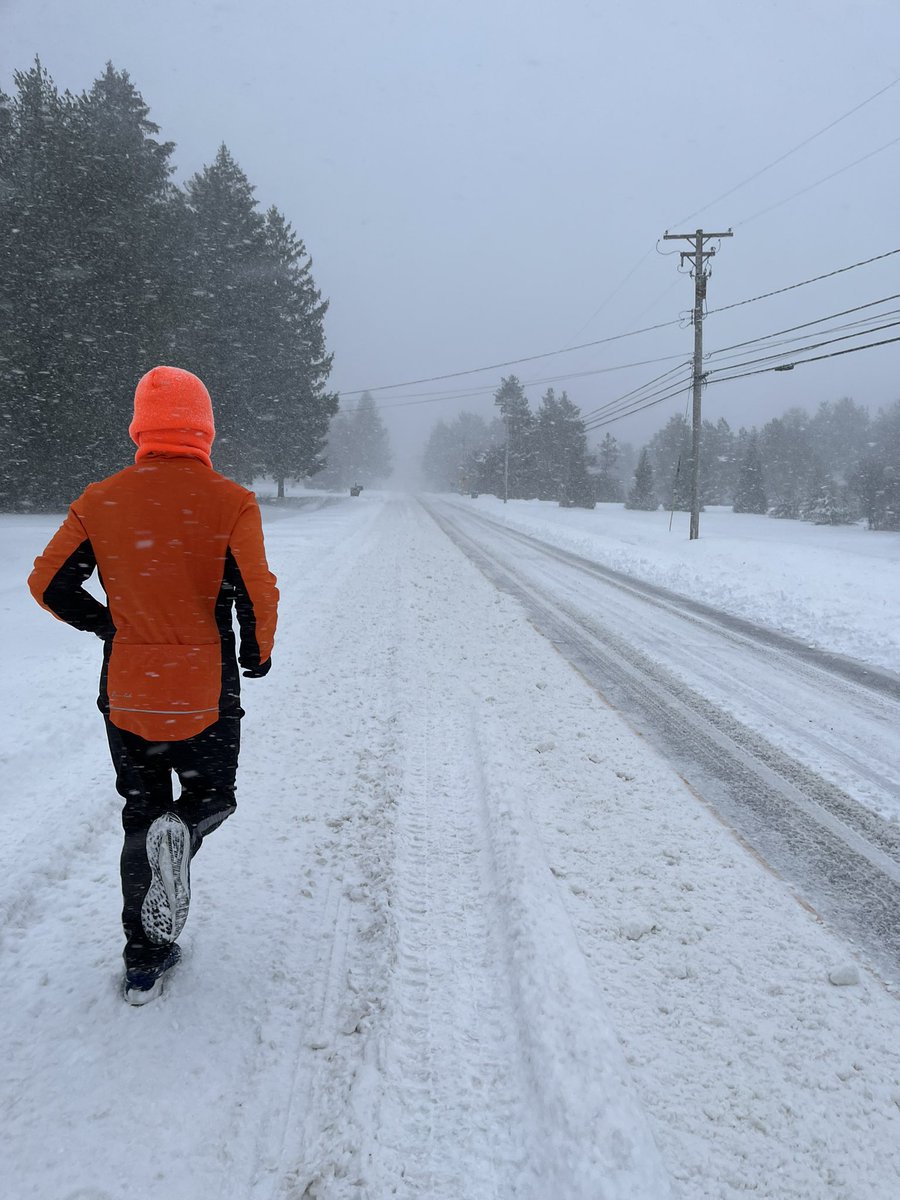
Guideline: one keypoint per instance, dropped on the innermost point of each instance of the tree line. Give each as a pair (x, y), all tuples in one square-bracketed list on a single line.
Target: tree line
[(521, 454), (108, 268), (836, 465), (358, 448)]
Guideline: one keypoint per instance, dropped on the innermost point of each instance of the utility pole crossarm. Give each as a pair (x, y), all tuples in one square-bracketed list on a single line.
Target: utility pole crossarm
[(671, 237)]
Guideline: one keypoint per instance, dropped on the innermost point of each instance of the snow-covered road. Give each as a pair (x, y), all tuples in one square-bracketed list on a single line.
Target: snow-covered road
[(466, 935), (796, 747)]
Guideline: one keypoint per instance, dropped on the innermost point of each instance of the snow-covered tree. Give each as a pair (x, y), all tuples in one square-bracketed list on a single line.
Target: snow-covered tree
[(670, 450), (292, 407), (108, 269), (519, 424), (642, 493), (84, 196), (224, 337), (561, 452), (788, 462), (450, 459), (607, 480), (750, 494), (876, 480), (717, 463), (358, 449)]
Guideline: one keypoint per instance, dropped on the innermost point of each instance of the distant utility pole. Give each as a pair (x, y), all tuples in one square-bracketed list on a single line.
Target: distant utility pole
[(506, 462), (698, 257)]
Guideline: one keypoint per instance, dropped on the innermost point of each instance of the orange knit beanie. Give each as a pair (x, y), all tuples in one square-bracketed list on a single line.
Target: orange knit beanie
[(172, 415)]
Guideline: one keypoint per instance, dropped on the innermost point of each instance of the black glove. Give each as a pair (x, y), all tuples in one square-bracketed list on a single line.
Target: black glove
[(257, 672), (104, 628)]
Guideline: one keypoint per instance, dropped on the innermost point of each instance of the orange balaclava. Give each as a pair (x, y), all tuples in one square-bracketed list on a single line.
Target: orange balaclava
[(172, 415)]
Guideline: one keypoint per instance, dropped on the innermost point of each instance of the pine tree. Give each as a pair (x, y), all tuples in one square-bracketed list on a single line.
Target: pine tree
[(36, 276), (561, 452), (750, 496), (549, 452), (519, 421), (882, 470), (577, 486), (291, 406), (226, 337), (437, 460), (839, 437), (83, 204), (607, 483), (358, 449), (335, 471), (788, 463), (488, 470), (671, 450), (876, 480), (449, 460), (642, 494), (830, 504), (121, 291), (371, 446), (106, 268), (718, 474)]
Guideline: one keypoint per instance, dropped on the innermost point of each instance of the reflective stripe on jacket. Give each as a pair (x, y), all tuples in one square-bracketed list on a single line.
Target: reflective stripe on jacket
[(177, 547)]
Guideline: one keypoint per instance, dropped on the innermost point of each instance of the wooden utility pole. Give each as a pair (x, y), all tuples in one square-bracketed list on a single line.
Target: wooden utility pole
[(506, 461), (698, 257)]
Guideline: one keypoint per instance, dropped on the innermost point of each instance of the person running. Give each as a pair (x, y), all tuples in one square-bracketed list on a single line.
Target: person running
[(178, 549)]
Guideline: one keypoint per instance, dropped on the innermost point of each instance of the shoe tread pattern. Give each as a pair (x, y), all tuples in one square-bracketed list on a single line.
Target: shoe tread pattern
[(165, 906)]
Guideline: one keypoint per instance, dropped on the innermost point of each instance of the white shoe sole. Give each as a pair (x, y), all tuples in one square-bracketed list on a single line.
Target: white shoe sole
[(135, 994), (165, 907), (138, 996)]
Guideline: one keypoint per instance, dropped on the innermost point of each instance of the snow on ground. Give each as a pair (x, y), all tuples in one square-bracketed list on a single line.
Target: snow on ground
[(466, 936), (836, 587)]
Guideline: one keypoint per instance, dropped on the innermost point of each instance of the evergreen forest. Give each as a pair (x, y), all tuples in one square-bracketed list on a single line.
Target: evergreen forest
[(358, 451), (836, 465), (108, 268)]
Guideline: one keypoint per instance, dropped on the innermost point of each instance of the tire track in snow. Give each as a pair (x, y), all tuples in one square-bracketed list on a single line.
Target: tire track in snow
[(877, 679), (319, 1031), (454, 1082), (502, 1058)]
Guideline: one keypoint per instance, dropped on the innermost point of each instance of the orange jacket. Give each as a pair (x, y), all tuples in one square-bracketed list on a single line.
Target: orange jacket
[(176, 545)]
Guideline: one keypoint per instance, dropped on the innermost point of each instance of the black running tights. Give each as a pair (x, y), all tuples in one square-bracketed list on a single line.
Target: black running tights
[(206, 766)]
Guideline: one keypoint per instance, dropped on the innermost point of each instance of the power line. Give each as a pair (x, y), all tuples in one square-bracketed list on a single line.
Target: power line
[(840, 171), (803, 282), (710, 375), (639, 406), (594, 412), (800, 145), (805, 325), (654, 388), (512, 362), (815, 358), (685, 389), (615, 337), (633, 402), (614, 292), (636, 399), (642, 397), (743, 183), (868, 325), (651, 402), (550, 379)]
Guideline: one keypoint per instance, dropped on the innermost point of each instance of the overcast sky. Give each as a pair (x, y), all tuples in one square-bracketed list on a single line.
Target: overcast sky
[(475, 179)]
